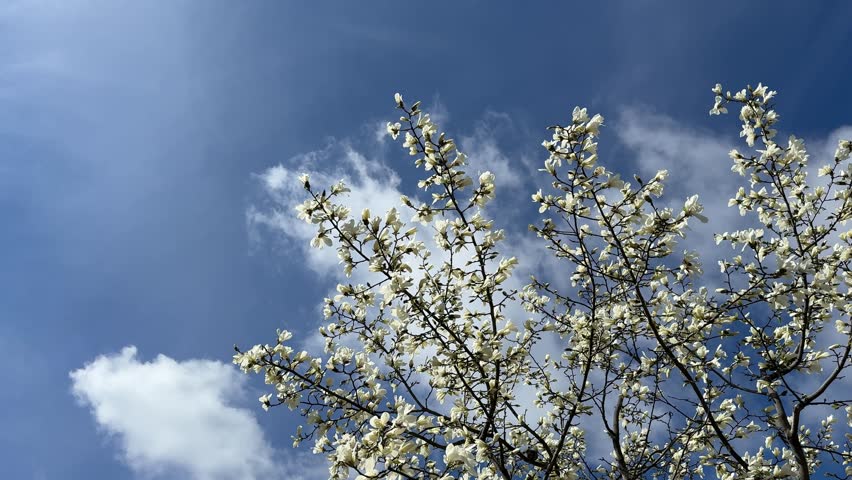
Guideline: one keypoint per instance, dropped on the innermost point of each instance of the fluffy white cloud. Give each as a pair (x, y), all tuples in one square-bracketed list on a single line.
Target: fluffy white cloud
[(173, 417)]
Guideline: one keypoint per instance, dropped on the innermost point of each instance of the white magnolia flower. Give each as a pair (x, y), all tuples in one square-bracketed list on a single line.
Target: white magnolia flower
[(456, 455), (393, 129), (304, 179), (693, 209)]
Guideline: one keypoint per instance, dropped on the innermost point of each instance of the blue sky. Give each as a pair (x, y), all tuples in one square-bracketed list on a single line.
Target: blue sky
[(137, 138)]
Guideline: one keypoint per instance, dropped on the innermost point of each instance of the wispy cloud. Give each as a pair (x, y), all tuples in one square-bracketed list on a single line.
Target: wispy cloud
[(483, 148), (177, 417), (697, 162), (377, 185), (374, 185)]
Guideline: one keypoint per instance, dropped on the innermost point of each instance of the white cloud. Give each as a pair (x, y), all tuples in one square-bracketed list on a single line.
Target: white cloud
[(484, 152), (177, 417), (376, 185), (438, 112), (373, 184), (822, 150), (698, 163)]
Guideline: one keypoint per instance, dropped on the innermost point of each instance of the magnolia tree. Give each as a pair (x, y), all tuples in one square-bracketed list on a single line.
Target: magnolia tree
[(739, 374)]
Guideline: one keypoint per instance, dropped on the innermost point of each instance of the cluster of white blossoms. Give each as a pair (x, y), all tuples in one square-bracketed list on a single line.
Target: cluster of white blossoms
[(744, 382)]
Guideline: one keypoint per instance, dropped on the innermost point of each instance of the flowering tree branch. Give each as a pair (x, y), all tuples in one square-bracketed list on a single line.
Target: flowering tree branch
[(425, 360)]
